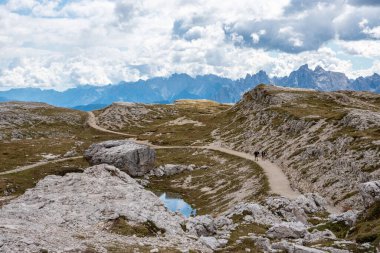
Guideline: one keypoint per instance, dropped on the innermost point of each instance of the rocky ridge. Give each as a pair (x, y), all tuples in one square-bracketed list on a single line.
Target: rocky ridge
[(18, 119), (325, 142)]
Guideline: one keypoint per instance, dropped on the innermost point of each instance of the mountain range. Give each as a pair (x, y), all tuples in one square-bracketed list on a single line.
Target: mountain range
[(183, 86)]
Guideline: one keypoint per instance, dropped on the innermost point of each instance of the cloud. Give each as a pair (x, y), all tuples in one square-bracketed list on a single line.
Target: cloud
[(63, 43), (364, 2)]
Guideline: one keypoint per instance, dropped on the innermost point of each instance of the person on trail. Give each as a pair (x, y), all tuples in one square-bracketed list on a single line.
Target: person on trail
[(263, 154), (256, 153)]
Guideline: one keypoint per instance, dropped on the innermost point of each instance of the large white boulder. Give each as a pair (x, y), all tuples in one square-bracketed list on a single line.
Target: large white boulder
[(133, 158)]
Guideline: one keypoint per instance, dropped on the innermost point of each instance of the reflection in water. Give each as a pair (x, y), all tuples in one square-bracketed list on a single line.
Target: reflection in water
[(174, 203)]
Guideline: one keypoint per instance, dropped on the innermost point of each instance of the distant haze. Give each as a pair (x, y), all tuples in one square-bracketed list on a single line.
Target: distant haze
[(183, 86)]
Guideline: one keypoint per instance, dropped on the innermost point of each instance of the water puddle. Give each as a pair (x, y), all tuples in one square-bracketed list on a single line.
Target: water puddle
[(174, 203)]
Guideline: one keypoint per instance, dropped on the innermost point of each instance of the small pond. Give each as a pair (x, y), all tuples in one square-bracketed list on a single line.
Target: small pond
[(175, 203)]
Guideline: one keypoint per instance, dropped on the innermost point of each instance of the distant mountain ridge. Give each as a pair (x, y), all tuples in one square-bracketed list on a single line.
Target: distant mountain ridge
[(183, 86)]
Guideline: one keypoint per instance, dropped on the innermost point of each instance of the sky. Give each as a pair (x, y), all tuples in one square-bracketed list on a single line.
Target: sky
[(60, 44)]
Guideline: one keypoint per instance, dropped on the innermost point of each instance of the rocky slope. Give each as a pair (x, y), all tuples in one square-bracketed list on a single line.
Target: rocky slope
[(325, 142), (20, 120), (76, 212)]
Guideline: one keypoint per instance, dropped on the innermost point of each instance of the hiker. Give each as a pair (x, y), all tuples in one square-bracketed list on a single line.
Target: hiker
[(256, 153), (263, 154)]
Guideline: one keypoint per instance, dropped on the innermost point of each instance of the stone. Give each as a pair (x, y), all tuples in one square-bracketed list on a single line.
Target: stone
[(348, 217), (262, 243), (70, 153), (130, 157), (316, 236), (60, 207), (202, 225), (370, 192), (294, 248), (212, 242), (260, 214), (287, 230)]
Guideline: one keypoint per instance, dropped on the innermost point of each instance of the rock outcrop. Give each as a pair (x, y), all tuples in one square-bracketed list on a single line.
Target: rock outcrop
[(172, 169), (130, 157), (71, 212), (326, 142), (370, 192)]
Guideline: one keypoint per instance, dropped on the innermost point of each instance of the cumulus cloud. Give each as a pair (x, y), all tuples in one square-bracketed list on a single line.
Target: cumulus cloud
[(63, 43)]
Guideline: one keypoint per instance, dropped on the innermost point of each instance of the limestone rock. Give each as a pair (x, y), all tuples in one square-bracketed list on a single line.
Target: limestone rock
[(348, 217), (297, 209), (260, 214), (51, 214), (294, 248), (317, 236), (212, 242), (370, 192), (287, 230), (172, 169), (130, 157)]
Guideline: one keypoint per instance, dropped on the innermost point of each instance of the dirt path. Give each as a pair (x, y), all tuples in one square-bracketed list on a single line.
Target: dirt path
[(91, 121), (31, 166), (278, 182)]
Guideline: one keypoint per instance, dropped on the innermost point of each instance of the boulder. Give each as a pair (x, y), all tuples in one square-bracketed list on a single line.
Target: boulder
[(258, 213), (294, 248), (130, 157), (370, 192), (348, 217), (202, 225), (212, 242), (293, 230), (317, 236)]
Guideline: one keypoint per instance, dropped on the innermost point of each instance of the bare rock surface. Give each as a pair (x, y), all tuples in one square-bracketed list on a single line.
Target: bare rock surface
[(70, 213), (130, 157), (370, 192), (172, 169), (287, 230), (325, 142)]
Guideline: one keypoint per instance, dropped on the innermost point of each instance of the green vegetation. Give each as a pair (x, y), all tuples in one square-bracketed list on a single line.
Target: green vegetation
[(367, 229), (226, 180), (340, 229), (121, 226), (159, 126), (244, 229), (114, 248), (18, 183)]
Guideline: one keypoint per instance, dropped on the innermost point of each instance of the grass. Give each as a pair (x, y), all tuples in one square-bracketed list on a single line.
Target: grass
[(18, 183), (156, 122), (117, 248), (121, 226), (340, 229), (367, 229), (241, 231), (211, 190), (28, 151)]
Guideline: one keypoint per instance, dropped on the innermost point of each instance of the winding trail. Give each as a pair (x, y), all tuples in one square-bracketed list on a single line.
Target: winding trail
[(34, 165), (278, 182)]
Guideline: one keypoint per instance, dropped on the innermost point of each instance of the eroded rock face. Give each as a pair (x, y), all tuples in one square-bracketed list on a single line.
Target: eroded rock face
[(370, 192), (287, 230), (58, 208), (130, 157)]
